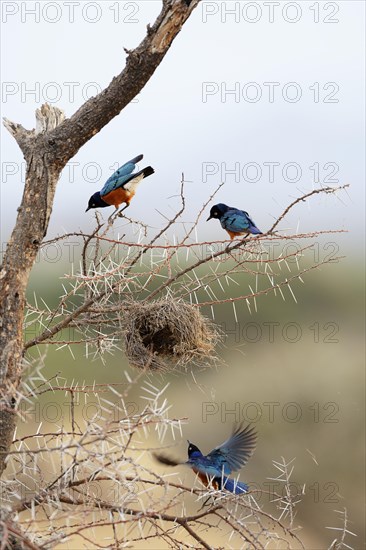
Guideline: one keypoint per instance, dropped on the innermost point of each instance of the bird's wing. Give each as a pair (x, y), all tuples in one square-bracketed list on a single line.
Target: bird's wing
[(250, 220), (235, 451), (235, 220), (120, 176), (163, 459)]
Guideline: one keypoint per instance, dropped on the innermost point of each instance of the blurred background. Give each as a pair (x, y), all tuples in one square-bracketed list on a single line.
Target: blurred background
[(296, 370)]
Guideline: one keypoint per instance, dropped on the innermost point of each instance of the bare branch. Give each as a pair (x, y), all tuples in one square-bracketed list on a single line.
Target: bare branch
[(326, 190), (48, 118), (20, 134)]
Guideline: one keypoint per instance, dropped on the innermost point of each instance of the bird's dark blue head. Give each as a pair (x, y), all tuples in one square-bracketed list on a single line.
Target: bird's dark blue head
[(217, 211), (96, 201), (193, 451)]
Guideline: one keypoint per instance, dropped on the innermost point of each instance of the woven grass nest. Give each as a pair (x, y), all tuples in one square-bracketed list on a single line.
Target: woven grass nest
[(165, 334)]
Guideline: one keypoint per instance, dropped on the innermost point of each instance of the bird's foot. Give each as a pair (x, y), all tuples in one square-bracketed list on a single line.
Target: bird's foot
[(119, 213), (115, 214), (207, 503)]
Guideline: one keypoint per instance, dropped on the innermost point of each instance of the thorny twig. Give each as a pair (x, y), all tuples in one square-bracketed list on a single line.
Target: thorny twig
[(118, 279)]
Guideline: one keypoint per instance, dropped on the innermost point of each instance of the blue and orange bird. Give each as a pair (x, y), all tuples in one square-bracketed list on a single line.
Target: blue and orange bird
[(120, 187), (234, 221), (215, 467)]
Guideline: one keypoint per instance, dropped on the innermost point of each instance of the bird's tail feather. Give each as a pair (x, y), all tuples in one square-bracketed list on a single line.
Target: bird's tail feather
[(254, 230), (147, 171), (233, 486)]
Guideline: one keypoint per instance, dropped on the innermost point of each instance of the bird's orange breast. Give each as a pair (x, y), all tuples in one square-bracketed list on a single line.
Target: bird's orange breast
[(231, 233), (205, 479), (118, 196)]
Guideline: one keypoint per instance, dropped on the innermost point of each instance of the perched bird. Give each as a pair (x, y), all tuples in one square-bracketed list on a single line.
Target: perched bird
[(234, 221), (120, 187), (220, 462)]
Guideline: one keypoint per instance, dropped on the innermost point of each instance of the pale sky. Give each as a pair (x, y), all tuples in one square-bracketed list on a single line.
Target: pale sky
[(307, 122)]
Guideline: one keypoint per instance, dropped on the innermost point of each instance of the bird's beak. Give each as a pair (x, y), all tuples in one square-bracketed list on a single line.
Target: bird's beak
[(87, 209), (188, 442), (209, 218)]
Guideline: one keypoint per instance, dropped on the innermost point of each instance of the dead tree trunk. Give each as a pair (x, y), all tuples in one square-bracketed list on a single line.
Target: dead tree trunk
[(46, 151)]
